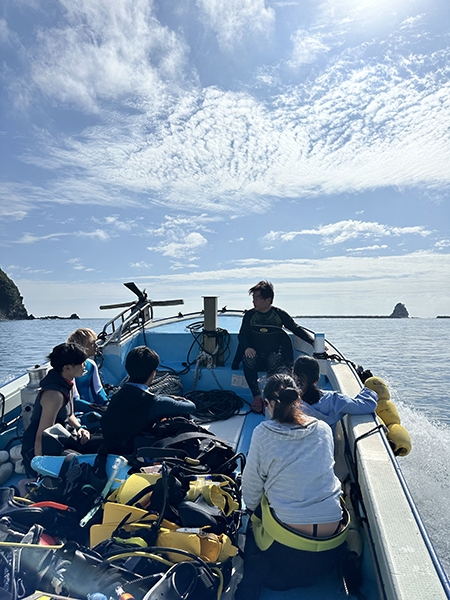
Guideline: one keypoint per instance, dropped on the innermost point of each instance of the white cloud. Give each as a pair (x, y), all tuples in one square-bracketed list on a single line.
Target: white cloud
[(358, 125), (29, 238), (189, 244), (78, 266), (365, 248), (141, 265), (337, 233), (307, 48), (176, 266), (105, 52), (114, 222), (235, 20), (181, 237)]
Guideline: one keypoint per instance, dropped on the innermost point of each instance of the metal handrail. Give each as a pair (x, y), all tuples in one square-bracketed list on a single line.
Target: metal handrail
[(136, 315), (139, 313)]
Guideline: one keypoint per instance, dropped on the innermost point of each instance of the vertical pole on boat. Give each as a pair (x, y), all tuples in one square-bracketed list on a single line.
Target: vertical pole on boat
[(210, 304), (319, 345)]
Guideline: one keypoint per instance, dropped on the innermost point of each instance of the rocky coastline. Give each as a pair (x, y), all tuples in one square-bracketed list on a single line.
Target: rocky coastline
[(12, 307), (11, 302)]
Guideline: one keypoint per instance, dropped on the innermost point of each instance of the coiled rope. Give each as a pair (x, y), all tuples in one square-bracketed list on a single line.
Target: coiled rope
[(215, 405)]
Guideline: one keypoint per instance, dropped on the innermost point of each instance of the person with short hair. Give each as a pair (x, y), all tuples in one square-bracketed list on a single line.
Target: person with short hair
[(133, 408), (88, 387), (329, 406), (263, 345), (297, 529), (54, 404)]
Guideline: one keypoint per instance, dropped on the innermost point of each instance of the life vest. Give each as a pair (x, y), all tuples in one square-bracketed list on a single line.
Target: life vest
[(268, 529), (266, 339)]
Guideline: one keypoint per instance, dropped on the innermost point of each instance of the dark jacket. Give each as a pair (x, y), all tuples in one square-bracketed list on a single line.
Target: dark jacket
[(126, 416), (132, 411)]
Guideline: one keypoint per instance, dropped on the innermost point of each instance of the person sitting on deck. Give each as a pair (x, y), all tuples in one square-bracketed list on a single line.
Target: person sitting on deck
[(329, 406), (54, 404), (133, 408), (88, 387), (298, 527), (263, 345)]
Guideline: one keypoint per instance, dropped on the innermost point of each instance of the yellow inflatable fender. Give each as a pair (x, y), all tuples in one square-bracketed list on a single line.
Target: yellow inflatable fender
[(377, 385), (399, 439), (386, 411)]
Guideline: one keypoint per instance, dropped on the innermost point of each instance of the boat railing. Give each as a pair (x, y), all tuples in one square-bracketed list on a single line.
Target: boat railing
[(136, 315), (128, 320)]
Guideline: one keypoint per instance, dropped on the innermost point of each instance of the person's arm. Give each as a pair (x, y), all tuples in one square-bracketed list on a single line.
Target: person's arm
[(253, 478), (337, 405), (170, 406), (97, 386), (244, 332), (82, 433), (365, 402), (244, 335), (51, 402), (244, 340), (296, 329)]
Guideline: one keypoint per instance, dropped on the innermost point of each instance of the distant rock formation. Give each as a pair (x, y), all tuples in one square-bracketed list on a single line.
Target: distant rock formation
[(11, 302), (52, 317), (400, 312)]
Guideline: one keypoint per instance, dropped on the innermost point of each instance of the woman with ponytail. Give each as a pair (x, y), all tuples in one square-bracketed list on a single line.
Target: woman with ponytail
[(328, 406), (297, 529)]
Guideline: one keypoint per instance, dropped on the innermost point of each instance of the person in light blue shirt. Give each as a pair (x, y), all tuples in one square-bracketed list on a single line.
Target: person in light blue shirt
[(328, 406), (88, 389)]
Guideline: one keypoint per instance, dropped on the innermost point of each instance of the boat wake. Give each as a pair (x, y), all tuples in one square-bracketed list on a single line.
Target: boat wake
[(427, 472)]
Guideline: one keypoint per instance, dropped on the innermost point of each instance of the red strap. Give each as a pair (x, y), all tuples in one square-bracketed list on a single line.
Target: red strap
[(53, 505)]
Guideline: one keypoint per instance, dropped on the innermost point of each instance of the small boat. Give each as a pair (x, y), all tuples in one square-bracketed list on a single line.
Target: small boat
[(395, 557)]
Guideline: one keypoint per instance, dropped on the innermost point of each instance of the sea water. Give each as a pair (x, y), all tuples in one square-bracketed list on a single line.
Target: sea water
[(410, 355)]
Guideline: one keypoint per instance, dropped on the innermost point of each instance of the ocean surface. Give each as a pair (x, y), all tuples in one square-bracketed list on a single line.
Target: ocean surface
[(410, 355)]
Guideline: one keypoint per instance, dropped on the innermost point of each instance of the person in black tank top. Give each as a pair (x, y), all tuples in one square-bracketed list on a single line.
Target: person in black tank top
[(54, 404)]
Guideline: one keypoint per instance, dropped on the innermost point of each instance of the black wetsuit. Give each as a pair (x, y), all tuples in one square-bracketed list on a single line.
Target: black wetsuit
[(264, 332)]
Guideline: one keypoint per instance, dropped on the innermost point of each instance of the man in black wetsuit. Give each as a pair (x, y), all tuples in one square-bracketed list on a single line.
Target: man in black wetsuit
[(134, 408), (263, 345)]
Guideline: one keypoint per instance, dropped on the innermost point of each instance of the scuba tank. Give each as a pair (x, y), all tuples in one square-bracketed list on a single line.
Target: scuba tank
[(29, 393)]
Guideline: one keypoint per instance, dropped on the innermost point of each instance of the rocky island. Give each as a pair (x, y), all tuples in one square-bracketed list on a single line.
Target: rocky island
[(400, 312), (11, 302)]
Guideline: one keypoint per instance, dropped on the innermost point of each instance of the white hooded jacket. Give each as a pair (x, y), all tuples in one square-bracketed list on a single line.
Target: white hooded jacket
[(293, 466)]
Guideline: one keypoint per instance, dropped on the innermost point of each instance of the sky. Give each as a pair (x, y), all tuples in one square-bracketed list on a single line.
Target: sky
[(196, 147)]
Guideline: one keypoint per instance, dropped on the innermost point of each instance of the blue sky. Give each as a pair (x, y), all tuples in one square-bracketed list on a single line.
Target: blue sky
[(198, 146)]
